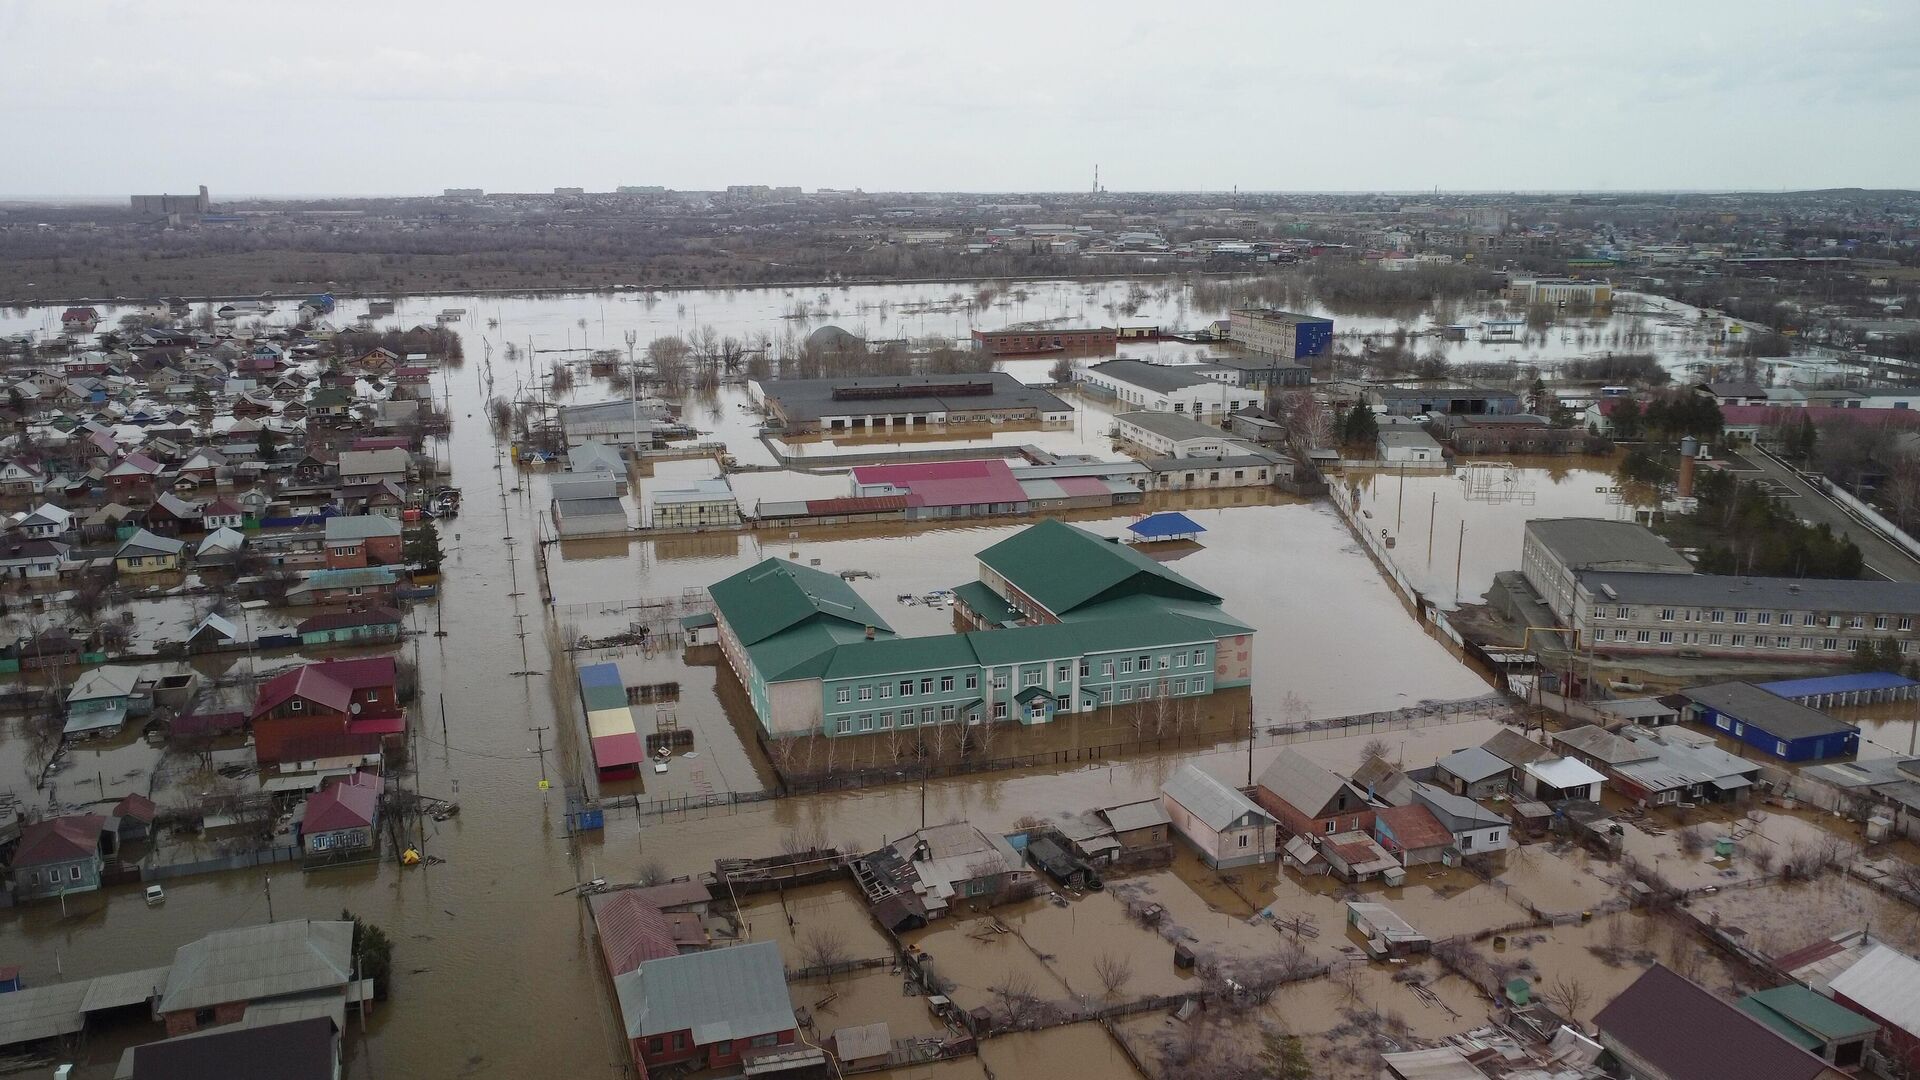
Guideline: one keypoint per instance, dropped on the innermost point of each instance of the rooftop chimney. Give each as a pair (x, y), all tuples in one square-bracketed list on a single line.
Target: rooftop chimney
[(869, 633)]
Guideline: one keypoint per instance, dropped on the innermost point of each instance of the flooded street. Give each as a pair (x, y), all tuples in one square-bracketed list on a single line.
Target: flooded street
[(496, 974)]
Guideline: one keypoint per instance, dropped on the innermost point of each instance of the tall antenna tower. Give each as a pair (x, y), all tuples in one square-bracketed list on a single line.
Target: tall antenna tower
[(1096, 178)]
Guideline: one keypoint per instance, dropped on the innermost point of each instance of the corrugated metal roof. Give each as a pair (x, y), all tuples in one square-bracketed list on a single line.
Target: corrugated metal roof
[(1063, 567), (1885, 982), (1769, 712), (763, 600), (1836, 684), (124, 988), (42, 1012), (721, 994), (1210, 800), (1306, 785), (253, 962)]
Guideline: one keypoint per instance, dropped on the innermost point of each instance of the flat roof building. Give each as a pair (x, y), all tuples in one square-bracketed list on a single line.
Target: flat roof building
[(1441, 400), (1281, 333), (808, 405), (1167, 388), (1017, 341)]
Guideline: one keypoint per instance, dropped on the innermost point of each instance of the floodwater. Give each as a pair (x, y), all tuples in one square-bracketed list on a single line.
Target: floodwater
[(495, 972), (1076, 1049), (1493, 499)]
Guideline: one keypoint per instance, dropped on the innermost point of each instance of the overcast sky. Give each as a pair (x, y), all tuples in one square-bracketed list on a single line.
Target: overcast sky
[(108, 97)]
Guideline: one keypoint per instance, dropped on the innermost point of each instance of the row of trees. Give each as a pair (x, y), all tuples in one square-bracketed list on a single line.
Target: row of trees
[(1672, 415), (1760, 535)]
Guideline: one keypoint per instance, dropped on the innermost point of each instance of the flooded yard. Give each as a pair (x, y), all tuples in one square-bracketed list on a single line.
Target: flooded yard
[(498, 713), (1072, 1050)]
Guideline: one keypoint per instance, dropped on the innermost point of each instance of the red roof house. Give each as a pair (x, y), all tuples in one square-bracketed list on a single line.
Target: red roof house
[(345, 697), (1411, 834), (631, 930), (341, 816)]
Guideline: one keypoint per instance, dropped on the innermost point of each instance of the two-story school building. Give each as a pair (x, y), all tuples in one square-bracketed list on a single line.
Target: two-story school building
[(1065, 621)]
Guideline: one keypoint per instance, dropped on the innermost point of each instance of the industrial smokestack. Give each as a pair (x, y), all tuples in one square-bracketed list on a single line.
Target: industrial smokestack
[(1689, 450)]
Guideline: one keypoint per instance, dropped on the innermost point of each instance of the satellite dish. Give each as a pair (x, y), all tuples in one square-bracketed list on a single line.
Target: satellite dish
[(354, 708)]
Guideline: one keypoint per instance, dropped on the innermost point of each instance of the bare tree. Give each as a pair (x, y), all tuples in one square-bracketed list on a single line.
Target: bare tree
[(823, 947), (1014, 992), (1374, 749), (1114, 972), (1568, 995)]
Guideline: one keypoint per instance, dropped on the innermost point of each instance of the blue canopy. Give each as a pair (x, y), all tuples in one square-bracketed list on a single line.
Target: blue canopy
[(1165, 526)]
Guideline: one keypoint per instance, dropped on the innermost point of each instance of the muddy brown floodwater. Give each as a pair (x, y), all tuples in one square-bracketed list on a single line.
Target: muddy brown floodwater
[(495, 974)]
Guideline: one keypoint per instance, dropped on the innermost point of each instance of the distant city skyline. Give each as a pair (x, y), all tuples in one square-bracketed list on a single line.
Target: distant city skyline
[(110, 99)]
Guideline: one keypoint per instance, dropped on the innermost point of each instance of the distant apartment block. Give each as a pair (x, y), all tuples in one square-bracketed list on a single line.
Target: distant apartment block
[(569, 191), (1281, 333), (461, 193), (168, 205), (1030, 341), (1560, 292)]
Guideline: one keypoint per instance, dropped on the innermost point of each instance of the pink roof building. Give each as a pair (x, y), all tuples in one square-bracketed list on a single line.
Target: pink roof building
[(980, 486)]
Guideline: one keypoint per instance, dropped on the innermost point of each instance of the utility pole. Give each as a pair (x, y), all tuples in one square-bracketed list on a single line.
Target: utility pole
[(539, 737), (1249, 747), (269, 897), (1400, 499), (1458, 554), (1433, 508)]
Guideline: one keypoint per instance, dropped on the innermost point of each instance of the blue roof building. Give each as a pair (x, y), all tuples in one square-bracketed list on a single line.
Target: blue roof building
[(1786, 729)]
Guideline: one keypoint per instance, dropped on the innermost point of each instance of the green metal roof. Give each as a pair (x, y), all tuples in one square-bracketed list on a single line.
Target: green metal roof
[(1805, 1018), (1027, 696), (1064, 567), (805, 651), (1026, 644), (773, 596), (986, 603), (899, 656), (1132, 607)]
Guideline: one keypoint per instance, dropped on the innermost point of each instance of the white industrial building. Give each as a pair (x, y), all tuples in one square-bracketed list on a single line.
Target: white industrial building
[(1162, 388)]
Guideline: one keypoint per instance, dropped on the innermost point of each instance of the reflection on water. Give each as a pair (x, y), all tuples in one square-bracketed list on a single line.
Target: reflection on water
[(1494, 499)]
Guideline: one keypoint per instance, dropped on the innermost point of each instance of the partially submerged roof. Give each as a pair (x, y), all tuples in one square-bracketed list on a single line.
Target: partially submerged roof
[(632, 930), (1166, 524)]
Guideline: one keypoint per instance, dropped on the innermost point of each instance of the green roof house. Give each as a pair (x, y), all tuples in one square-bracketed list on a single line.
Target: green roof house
[(1065, 621), (1819, 1025)]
